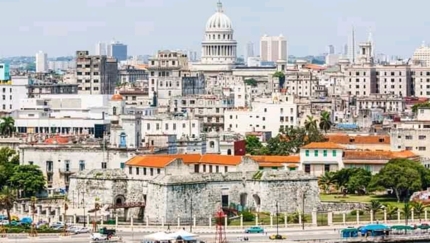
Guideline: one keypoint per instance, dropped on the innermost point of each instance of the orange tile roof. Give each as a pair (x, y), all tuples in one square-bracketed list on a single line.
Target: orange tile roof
[(322, 145), (220, 159), (150, 161), (276, 159), (347, 139), (377, 155), (57, 140), (156, 160)]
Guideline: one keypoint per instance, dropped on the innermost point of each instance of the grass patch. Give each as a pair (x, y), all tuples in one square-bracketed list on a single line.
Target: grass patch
[(385, 199)]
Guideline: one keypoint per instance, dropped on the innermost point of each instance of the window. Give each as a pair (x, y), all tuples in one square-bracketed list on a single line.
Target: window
[(122, 165), (49, 166), (308, 169), (210, 168), (130, 170), (307, 153), (104, 165), (421, 148), (81, 165), (421, 137), (196, 168), (151, 171), (67, 165), (30, 162), (225, 169), (217, 169), (316, 153), (137, 170), (325, 153), (326, 168), (204, 168), (334, 153), (408, 137), (144, 171), (158, 171)]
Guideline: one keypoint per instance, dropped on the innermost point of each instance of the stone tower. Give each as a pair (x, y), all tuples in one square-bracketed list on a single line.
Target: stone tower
[(212, 140)]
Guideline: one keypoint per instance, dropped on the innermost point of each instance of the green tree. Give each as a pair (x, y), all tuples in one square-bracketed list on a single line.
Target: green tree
[(358, 180), (278, 74), (403, 176), (325, 121), (407, 210), (252, 82), (421, 105), (373, 207), (253, 145), (326, 181), (310, 123), (9, 159), (7, 126), (7, 198), (418, 208), (391, 211), (28, 178)]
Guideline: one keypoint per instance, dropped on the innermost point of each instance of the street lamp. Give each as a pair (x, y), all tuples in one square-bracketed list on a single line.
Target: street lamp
[(303, 209), (277, 220), (83, 205)]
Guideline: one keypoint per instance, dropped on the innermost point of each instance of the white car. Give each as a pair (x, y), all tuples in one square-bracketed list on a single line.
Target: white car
[(98, 236), (81, 230)]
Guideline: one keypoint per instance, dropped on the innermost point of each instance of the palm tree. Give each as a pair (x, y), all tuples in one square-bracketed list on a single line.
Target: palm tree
[(374, 207), (407, 209), (7, 126), (325, 121), (7, 198), (311, 124), (418, 208), (391, 210), (326, 181)]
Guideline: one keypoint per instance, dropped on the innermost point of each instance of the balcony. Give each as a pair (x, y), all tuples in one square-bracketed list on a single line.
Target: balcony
[(65, 171)]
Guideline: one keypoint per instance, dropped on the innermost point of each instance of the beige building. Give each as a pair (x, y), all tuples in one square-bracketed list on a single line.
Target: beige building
[(95, 74), (273, 48)]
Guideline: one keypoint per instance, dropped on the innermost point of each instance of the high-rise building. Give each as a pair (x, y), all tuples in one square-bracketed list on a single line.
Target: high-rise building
[(249, 52), (351, 47), (330, 49), (41, 62), (273, 48), (117, 50), (4, 72), (96, 74), (345, 50), (100, 49)]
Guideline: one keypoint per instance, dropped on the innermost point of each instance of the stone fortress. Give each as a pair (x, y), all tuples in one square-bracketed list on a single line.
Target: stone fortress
[(177, 191)]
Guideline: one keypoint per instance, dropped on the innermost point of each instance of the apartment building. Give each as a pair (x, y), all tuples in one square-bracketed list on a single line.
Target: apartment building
[(301, 81), (131, 74), (388, 102), (266, 115), (95, 74)]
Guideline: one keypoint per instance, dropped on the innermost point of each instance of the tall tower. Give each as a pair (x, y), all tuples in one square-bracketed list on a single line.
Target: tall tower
[(41, 62), (351, 47), (370, 40)]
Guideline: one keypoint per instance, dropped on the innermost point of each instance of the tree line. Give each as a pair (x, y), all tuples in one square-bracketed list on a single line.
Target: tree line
[(17, 180), (290, 139)]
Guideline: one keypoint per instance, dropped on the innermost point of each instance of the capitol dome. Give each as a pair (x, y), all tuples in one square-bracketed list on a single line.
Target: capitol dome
[(219, 21)]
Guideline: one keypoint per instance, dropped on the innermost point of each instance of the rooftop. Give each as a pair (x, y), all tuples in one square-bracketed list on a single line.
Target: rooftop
[(358, 139), (322, 145)]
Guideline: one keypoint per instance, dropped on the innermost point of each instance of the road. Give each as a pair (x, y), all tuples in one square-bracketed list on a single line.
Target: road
[(136, 237)]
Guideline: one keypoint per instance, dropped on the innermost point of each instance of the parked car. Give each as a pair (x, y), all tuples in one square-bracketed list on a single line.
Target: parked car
[(254, 229), (71, 228), (98, 236), (81, 230), (277, 237), (57, 224)]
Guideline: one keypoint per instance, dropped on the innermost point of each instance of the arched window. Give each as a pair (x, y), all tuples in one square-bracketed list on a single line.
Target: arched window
[(211, 144), (228, 151), (114, 111)]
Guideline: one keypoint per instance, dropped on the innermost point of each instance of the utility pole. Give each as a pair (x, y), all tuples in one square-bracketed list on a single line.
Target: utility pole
[(277, 220), (191, 212), (303, 210)]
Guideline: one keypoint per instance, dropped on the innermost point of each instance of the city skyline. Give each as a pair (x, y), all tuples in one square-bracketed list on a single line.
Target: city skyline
[(88, 21)]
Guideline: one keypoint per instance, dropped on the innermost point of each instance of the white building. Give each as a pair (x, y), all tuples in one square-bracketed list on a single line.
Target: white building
[(219, 49), (318, 158), (12, 92), (421, 55), (273, 48), (63, 114), (100, 49), (266, 115), (41, 62)]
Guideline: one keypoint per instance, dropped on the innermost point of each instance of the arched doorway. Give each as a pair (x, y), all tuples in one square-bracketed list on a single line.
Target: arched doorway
[(228, 151), (243, 200), (257, 202), (120, 199)]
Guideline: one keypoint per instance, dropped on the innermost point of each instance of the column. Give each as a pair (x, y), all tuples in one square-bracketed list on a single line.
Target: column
[(74, 219), (256, 220), (179, 222), (314, 217), (101, 220), (162, 222), (385, 215), (57, 214), (286, 220), (241, 221), (39, 211), (371, 216), (116, 222), (131, 221), (48, 212), (210, 221), (300, 218), (412, 215), (330, 218), (358, 216), (271, 220), (22, 208), (225, 222), (194, 221), (425, 214), (398, 215), (344, 218), (147, 221)]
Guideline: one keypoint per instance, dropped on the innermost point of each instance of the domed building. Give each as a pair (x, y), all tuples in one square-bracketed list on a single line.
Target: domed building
[(219, 49)]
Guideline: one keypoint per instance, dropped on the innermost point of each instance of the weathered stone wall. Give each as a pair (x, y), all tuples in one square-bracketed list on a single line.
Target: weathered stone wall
[(171, 197)]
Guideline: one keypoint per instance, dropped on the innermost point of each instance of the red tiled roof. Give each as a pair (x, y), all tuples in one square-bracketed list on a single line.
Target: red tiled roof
[(322, 145)]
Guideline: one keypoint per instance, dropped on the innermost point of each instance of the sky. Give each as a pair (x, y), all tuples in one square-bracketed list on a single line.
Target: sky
[(60, 27)]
